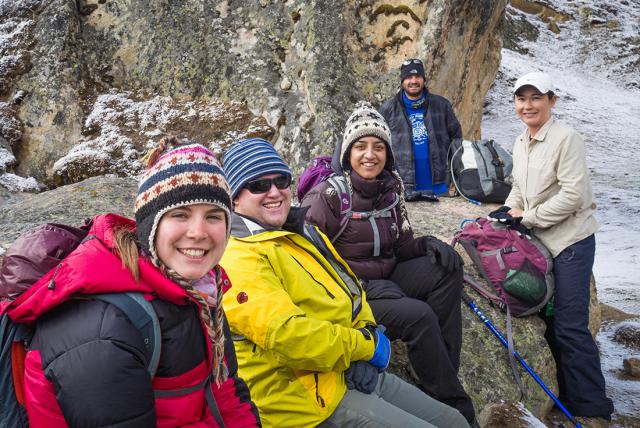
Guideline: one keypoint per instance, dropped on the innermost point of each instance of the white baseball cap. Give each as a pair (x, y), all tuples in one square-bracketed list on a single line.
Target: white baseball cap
[(540, 81)]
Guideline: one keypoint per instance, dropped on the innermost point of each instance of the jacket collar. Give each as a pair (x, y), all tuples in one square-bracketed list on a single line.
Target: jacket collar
[(541, 135), (426, 95), (371, 189), (243, 226)]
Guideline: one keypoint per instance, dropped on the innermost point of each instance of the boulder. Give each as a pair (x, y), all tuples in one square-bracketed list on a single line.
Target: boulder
[(628, 334), (124, 126), (632, 367), (511, 414), (67, 204), (485, 371)]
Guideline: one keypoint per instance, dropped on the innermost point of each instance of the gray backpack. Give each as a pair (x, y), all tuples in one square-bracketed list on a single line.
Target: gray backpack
[(480, 170)]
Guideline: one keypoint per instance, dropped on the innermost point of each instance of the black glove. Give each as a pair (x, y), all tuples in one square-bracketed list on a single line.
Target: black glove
[(411, 195), (441, 253), (362, 376), (417, 195), (502, 215), (502, 209), (521, 228)]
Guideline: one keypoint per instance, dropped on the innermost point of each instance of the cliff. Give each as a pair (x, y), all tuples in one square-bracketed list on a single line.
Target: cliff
[(295, 67)]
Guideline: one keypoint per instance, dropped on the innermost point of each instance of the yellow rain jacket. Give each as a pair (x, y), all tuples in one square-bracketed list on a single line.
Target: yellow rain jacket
[(294, 316)]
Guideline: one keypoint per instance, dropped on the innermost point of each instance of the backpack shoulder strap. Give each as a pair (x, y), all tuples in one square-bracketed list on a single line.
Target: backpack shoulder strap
[(142, 315), (340, 184), (496, 161)]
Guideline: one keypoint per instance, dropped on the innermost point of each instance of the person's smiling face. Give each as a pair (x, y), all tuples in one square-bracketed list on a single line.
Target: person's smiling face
[(191, 239), (413, 86), (533, 108), (271, 207), (368, 157)]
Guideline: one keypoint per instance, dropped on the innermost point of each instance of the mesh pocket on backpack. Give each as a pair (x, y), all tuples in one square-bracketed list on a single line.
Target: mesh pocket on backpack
[(526, 283)]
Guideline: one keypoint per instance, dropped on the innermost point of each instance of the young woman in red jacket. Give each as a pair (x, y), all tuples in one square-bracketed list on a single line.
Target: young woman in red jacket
[(87, 363)]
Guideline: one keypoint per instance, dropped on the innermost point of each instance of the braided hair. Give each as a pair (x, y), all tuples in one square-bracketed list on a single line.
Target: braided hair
[(213, 325)]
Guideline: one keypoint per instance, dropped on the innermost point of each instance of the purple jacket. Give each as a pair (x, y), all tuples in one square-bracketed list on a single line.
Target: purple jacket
[(356, 243)]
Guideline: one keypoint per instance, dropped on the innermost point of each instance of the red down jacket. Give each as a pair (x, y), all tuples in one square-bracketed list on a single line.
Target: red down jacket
[(86, 362)]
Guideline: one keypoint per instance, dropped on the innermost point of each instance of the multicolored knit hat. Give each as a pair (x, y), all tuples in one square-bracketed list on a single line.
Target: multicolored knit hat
[(185, 175), (364, 121), (249, 159)]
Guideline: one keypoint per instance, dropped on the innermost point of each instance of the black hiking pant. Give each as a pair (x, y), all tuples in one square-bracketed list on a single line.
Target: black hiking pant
[(580, 380), (420, 304)]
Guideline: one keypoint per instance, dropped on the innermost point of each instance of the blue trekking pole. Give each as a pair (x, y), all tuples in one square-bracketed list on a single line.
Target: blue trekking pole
[(535, 377)]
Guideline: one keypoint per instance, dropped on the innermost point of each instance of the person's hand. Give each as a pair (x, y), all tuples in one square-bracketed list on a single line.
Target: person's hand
[(441, 253), (511, 217), (516, 212), (362, 376), (382, 352)]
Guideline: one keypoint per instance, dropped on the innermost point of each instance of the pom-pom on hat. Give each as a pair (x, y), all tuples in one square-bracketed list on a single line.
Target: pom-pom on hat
[(249, 159), (364, 121), (185, 175)]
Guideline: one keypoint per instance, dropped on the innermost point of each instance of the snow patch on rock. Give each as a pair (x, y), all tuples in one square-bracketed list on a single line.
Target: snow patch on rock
[(122, 126), (15, 183)]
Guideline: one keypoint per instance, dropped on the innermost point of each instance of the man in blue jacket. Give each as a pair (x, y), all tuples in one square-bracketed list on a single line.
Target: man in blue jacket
[(422, 127)]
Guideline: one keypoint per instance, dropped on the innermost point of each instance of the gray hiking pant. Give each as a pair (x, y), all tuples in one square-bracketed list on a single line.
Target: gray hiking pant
[(393, 404)]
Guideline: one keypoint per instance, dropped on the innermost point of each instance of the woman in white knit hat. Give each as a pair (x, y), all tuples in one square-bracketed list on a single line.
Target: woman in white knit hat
[(413, 284)]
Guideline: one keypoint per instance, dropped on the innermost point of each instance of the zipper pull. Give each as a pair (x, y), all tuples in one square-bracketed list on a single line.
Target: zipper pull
[(52, 283)]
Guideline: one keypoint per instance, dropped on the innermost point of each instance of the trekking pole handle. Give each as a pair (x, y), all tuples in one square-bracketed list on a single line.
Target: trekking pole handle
[(494, 330)]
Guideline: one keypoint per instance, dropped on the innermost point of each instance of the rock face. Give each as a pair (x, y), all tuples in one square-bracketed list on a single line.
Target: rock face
[(299, 65), (121, 127)]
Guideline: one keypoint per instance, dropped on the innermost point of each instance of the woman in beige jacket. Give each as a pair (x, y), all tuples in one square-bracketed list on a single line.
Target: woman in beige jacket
[(552, 196)]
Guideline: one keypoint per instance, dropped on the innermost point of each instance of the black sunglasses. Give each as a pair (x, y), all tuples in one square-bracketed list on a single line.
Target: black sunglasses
[(409, 61), (264, 185)]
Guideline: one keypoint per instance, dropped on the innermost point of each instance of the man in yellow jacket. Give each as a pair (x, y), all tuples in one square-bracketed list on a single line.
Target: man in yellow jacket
[(306, 340)]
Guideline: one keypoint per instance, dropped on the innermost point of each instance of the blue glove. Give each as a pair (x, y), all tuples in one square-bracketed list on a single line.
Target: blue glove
[(382, 353), (362, 376)]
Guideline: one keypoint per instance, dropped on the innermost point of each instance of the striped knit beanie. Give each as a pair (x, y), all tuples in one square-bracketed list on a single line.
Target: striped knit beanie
[(185, 175), (364, 121), (249, 159)]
